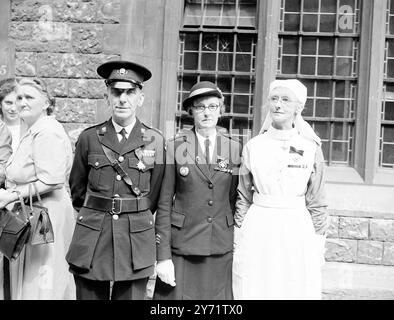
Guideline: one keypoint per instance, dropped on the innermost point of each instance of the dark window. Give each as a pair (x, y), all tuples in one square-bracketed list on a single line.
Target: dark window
[(218, 44), (318, 45)]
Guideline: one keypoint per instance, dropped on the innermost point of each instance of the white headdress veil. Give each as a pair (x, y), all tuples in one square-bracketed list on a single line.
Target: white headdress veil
[(300, 124)]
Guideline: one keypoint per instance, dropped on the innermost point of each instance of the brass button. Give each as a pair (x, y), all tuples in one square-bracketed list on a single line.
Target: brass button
[(116, 196), (115, 217), (210, 186), (118, 177), (150, 222), (96, 164), (121, 159), (209, 219), (80, 218), (210, 202)]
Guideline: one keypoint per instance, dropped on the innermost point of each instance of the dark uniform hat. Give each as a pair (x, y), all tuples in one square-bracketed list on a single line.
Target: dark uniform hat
[(202, 89), (123, 74)]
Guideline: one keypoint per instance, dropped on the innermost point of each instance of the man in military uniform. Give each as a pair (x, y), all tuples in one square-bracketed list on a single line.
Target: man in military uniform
[(194, 221), (115, 182)]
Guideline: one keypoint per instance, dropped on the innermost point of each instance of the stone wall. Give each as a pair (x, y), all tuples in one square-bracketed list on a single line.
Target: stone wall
[(357, 237), (63, 42)]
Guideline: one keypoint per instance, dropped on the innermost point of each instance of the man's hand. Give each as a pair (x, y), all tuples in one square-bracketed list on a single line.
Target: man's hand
[(166, 272)]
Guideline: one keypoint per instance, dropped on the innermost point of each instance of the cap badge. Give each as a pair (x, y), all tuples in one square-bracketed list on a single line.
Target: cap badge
[(122, 71), (184, 171)]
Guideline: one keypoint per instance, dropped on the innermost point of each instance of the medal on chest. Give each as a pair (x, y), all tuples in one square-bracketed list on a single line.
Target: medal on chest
[(139, 153)]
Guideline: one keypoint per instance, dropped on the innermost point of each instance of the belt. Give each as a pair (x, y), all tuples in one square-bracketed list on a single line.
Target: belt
[(116, 205), (278, 202)]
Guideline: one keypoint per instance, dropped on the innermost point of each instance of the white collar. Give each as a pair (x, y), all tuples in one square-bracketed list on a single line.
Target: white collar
[(128, 129)]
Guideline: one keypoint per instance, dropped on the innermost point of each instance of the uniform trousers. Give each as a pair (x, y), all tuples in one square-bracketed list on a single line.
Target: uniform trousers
[(101, 290)]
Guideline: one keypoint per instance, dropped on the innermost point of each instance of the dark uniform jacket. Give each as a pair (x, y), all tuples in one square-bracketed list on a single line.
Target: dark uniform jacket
[(102, 247), (196, 205)]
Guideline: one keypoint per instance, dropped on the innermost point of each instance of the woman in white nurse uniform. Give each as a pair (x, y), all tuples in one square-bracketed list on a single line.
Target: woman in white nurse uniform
[(281, 213)]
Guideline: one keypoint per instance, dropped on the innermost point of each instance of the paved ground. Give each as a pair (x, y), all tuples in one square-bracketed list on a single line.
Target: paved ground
[(349, 281)]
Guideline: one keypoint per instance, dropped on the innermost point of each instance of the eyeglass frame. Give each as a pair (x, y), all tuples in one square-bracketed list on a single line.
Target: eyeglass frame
[(201, 109), (270, 99)]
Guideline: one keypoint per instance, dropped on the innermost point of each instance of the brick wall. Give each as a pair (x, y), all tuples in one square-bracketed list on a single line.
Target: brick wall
[(63, 42), (357, 237)]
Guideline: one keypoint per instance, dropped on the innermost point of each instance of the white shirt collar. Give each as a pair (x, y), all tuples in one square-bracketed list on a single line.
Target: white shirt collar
[(211, 138), (128, 129)]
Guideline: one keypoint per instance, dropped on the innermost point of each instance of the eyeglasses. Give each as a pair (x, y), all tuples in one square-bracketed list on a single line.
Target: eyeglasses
[(201, 108), (284, 100)]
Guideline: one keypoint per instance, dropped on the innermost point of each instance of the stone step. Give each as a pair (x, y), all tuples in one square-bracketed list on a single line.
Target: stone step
[(350, 281)]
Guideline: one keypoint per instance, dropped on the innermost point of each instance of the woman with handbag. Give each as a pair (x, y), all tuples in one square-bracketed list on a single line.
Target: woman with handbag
[(42, 162)]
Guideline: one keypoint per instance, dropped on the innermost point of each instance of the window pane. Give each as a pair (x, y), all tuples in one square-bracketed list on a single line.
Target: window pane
[(310, 23), (388, 135), (289, 65), (224, 83), (308, 109), (342, 109), (247, 14), (345, 47), (344, 67), (241, 104), (308, 66), (193, 14), (242, 85), (192, 41), (324, 88), (225, 62), (388, 154), (340, 150), (329, 6), (190, 61), (209, 42), (389, 111), (290, 46), (309, 46), (208, 61), (244, 43), (322, 129), (292, 22), (243, 62), (327, 23), (326, 47), (293, 6), (341, 131), (325, 66), (311, 5), (323, 108)]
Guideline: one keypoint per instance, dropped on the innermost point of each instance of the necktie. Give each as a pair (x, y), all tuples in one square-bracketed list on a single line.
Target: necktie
[(207, 157), (123, 134)]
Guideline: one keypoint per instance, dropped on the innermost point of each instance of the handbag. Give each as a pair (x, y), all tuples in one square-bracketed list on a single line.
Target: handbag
[(14, 232), (41, 225)]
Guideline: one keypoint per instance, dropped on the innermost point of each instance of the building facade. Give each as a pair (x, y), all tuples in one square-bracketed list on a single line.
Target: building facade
[(342, 50)]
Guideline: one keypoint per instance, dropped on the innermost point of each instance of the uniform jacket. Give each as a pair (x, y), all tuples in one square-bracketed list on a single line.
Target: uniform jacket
[(195, 210), (103, 248)]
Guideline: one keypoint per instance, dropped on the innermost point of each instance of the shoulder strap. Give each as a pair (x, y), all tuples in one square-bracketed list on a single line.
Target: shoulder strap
[(115, 164)]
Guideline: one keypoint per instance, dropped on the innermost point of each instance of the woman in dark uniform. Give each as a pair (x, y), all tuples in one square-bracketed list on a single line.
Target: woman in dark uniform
[(194, 221)]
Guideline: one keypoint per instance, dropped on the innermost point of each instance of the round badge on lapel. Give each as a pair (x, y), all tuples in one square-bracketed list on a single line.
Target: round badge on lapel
[(184, 171)]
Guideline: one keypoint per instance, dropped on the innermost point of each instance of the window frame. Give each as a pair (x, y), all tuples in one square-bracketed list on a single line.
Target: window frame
[(366, 168)]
